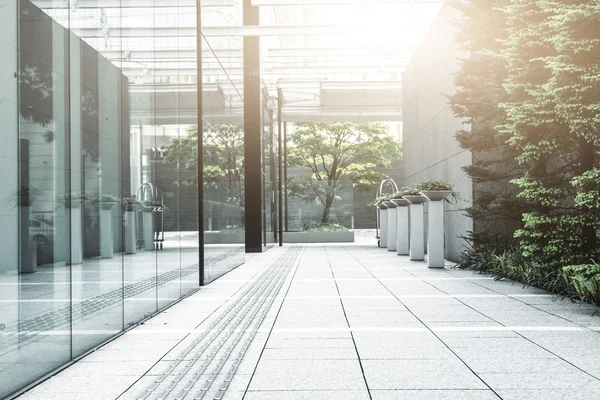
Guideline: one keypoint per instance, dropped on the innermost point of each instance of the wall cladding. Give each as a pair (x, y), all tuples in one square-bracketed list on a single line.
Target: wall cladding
[(430, 148)]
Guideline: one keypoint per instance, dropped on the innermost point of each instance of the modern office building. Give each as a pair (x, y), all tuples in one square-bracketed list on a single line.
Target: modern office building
[(101, 211), (142, 147)]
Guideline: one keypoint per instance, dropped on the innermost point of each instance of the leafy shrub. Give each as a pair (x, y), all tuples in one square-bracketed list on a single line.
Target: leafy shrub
[(409, 191), (106, 198), (434, 185), (326, 228), (584, 282), (25, 196), (233, 229), (74, 196), (379, 200)]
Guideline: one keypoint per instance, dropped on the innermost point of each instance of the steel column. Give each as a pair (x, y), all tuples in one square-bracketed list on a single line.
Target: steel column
[(252, 134), (279, 161), (285, 173), (200, 167)]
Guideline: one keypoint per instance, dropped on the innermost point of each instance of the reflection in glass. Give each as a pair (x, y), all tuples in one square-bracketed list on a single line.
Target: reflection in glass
[(101, 230), (223, 162)]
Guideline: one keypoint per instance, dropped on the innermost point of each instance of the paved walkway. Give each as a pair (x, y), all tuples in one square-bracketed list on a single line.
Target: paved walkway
[(348, 322)]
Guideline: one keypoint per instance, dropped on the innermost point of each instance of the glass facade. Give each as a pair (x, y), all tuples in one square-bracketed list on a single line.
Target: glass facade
[(100, 194), (223, 144), (269, 168)]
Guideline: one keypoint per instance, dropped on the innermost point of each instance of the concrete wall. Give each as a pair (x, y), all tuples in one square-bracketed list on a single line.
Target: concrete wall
[(430, 148)]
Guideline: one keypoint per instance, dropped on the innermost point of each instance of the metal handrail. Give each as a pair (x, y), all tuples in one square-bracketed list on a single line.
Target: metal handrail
[(388, 182)]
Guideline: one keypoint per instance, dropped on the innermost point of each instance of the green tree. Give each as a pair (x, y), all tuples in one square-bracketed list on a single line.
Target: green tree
[(496, 210), (223, 157), (339, 155), (541, 125), (575, 86)]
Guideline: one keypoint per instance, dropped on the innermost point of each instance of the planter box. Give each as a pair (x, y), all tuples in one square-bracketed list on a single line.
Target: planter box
[(383, 227), (392, 228), (402, 226), (318, 237), (218, 237), (130, 232), (148, 230), (435, 232), (436, 195)]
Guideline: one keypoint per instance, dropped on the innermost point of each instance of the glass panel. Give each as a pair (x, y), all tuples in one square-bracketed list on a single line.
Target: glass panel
[(140, 260), (95, 219), (319, 205), (187, 193), (269, 169), (83, 131), (35, 321), (223, 146)]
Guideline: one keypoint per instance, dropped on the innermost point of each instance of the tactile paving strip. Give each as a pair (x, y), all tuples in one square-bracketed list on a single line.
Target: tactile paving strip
[(205, 368)]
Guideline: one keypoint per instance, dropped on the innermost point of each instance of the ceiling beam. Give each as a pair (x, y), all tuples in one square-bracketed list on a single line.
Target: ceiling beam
[(339, 2), (292, 56), (171, 53), (341, 51), (285, 71), (240, 31)]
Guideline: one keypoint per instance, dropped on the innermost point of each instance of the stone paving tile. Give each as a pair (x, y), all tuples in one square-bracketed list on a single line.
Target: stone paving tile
[(515, 344), (281, 375), (419, 374), (439, 326), (311, 353), (300, 334), (400, 351), (307, 395), (468, 353), (312, 321), (546, 394), (433, 395), (488, 363), (276, 342), (308, 353), (380, 318), (450, 334), (547, 380), (385, 300), (87, 368), (96, 387)]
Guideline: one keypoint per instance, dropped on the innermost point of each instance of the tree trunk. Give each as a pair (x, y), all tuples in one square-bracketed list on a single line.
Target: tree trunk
[(328, 203)]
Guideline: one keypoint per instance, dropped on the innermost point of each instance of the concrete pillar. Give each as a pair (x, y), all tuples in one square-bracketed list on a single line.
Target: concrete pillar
[(392, 229), (130, 233), (435, 235), (76, 232), (417, 245), (383, 227), (106, 230), (148, 225), (402, 239)]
